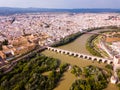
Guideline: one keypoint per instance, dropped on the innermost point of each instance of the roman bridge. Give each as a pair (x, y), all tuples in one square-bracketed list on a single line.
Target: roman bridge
[(79, 55)]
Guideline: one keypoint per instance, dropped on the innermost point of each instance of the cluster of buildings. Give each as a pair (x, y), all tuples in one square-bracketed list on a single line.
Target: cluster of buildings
[(111, 45), (24, 31), (52, 23), (113, 41)]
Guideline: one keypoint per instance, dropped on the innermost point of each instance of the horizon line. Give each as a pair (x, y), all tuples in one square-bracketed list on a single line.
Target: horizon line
[(54, 8)]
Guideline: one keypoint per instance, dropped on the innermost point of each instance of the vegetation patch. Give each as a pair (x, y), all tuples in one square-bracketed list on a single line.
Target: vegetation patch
[(67, 39), (118, 73), (90, 78), (28, 74), (90, 46)]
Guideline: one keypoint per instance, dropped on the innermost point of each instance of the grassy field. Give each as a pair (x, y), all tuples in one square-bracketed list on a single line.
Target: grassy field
[(97, 46)]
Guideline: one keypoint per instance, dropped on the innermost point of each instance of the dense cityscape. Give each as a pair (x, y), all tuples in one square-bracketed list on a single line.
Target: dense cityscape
[(27, 30)]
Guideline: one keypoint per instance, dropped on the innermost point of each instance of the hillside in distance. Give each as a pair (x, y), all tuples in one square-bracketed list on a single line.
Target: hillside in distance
[(10, 11)]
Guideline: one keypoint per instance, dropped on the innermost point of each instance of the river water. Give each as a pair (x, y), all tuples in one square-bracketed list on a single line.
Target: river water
[(78, 45)]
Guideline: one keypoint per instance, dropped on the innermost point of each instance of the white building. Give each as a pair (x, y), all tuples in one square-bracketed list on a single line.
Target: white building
[(116, 46), (113, 80)]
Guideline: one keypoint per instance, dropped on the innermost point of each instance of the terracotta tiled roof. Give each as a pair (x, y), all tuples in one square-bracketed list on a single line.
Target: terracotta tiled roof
[(2, 55)]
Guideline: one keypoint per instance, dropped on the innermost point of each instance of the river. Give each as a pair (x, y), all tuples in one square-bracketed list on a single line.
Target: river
[(78, 45)]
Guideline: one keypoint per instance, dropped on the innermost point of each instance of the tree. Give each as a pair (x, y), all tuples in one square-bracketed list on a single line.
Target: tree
[(1, 47), (109, 67), (5, 42), (76, 70)]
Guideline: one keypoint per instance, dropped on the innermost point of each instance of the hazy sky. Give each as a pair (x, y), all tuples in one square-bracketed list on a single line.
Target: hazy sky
[(61, 3)]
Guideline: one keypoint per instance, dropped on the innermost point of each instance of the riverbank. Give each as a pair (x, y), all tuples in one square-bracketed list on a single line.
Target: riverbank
[(72, 37), (92, 46)]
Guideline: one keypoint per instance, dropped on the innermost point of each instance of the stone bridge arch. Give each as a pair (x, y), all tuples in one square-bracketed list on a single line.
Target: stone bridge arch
[(110, 62), (60, 51), (55, 50), (105, 61), (90, 58), (77, 54), (100, 60), (85, 57), (80, 56), (63, 52), (71, 54), (93, 58)]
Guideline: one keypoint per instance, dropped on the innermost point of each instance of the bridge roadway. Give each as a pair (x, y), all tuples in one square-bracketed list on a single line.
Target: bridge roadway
[(79, 55)]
